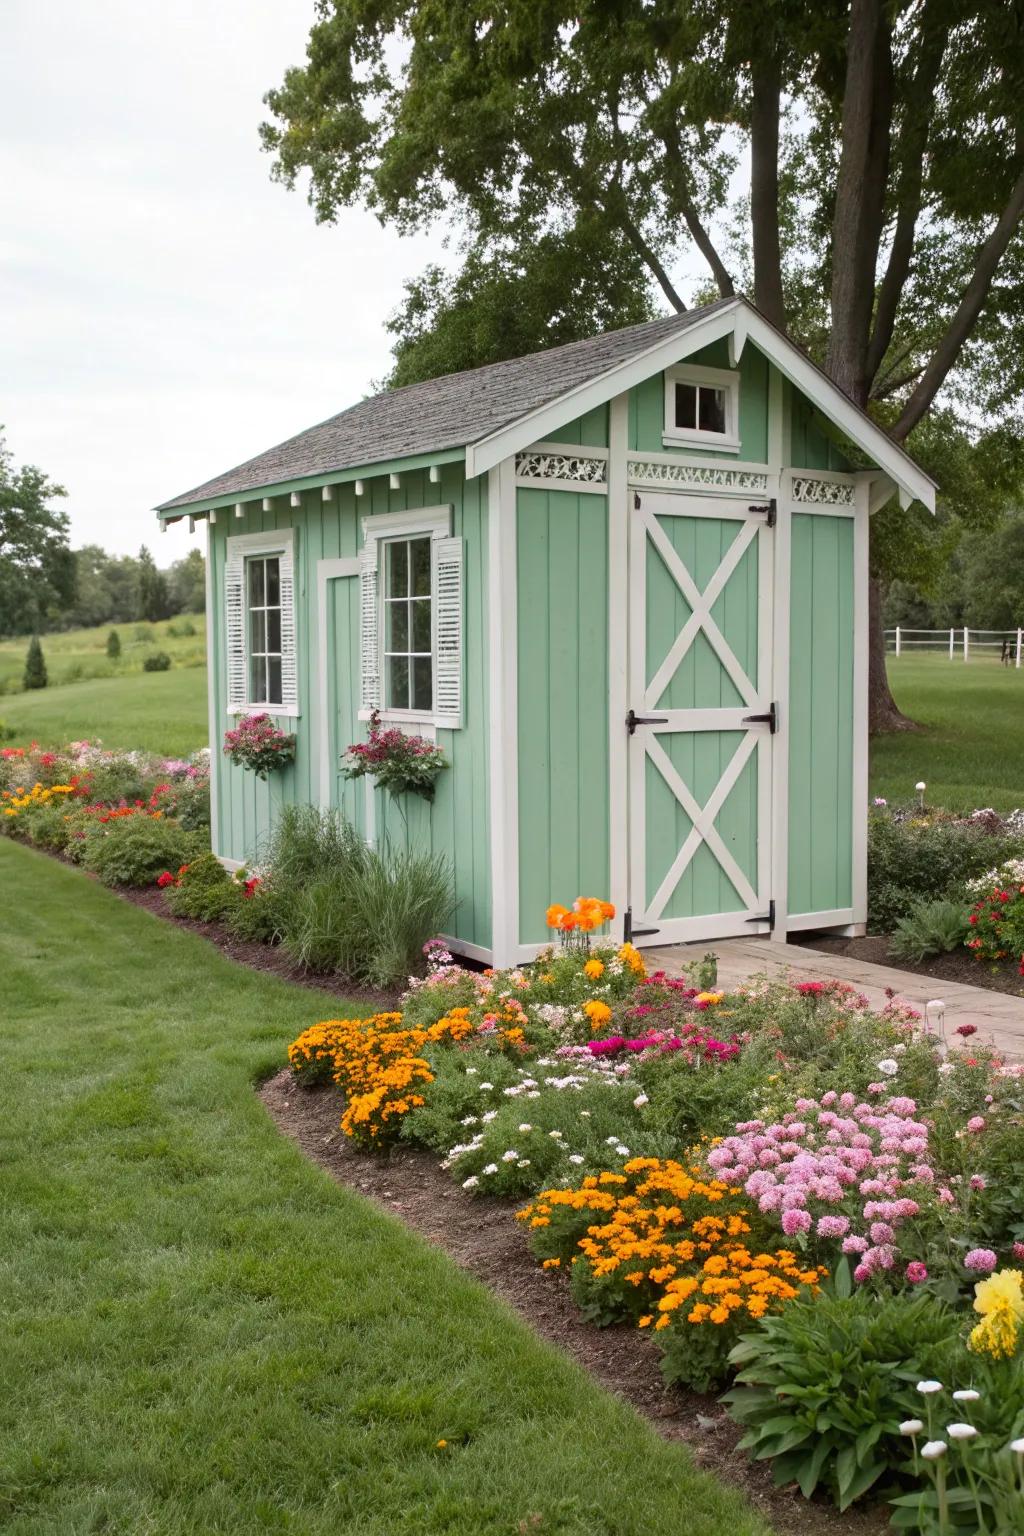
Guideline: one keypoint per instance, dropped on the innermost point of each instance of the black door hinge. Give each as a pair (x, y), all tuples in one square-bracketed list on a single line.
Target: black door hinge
[(767, 509), (766, 917), (771, 719), (636, 501), (629, 933), (633, 720)]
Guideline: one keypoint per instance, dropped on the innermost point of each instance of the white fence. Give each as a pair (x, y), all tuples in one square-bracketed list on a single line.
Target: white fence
[(958, 644)]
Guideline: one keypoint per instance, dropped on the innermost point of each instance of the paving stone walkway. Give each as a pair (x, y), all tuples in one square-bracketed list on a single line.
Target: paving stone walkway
[(999, 1017)]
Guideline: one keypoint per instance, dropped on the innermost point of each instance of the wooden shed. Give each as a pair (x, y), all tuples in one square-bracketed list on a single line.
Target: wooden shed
[(622, 583)]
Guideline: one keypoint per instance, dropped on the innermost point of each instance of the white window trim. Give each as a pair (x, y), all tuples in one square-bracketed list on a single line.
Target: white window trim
[(248, 545), (382, 527), (727, 379)]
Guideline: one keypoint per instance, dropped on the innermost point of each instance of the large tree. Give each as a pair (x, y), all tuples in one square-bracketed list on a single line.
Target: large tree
[(37, 569), (882, 146)]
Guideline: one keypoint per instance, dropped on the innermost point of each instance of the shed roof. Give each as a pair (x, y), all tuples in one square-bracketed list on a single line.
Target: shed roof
[(447, 412)]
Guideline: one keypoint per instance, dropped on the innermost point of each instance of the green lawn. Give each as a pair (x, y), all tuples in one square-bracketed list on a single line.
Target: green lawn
[(202, 1333), (158, 711), (970, 750), (77, 655)]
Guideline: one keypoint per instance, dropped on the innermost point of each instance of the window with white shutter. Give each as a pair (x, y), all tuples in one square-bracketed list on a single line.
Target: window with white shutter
[(411, 622), (260, 628)]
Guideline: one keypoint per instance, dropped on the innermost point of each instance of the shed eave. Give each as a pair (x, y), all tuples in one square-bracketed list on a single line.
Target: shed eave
[(172, 511)]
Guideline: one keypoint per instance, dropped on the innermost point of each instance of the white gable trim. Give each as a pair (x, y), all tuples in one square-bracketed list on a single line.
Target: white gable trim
[(912, 482)]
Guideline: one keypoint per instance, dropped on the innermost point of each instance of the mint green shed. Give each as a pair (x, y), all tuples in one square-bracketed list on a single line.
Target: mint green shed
[(623, 585)]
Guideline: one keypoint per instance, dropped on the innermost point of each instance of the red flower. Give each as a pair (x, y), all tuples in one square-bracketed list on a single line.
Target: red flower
[(967, 1030), (166, 879)]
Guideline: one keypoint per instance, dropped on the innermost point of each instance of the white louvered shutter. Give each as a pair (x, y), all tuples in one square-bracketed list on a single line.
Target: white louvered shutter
[(234, 609), (289, 649), (448, 610), (369, 641)]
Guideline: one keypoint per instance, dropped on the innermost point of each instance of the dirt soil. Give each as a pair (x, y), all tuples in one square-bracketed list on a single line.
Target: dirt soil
[(484, 1239), (958, 966)]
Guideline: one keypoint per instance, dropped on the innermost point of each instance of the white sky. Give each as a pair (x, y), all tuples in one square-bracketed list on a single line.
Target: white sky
[(167, 311)]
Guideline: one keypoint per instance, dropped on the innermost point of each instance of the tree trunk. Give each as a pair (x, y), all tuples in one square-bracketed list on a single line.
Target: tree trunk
[(883, 715), (766, 79)]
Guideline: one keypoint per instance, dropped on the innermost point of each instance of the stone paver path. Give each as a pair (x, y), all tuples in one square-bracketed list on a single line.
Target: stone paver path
[(999, 1018)]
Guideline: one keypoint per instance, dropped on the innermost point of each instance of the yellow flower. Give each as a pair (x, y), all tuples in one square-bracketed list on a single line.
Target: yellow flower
[(1000, 1301), (597, 1012), (594, 969)]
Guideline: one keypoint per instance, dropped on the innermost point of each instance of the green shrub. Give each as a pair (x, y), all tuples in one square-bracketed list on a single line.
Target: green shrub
[(158, 662), (35, 666), (914, 861), (46, 826), (114, 645), (205, 891), (930, 928), (181, 628), (134, 850), (824, 1384), (143, 633), (188, 801)]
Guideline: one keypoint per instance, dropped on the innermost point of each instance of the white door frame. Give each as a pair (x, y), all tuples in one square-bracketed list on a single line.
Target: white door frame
[(327, 570), (756, 695)]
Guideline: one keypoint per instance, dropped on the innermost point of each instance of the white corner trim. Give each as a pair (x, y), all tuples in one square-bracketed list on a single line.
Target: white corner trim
[(780, 693), (437, 521), (212, 685), (861, 644), (790, 361), (326, 570), (618, 661), (504, 719)]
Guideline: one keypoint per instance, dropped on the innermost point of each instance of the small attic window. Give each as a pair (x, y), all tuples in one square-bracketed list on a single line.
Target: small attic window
[(702, 406)]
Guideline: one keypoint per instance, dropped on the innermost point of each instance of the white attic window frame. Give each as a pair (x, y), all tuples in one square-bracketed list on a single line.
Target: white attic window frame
[(725, 379)]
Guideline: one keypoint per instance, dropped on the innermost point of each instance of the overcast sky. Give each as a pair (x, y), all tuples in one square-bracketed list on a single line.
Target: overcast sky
[(166, 311)]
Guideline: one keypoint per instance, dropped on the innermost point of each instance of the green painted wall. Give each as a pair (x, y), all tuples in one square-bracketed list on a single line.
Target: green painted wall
[(810, 446), (562, 580), (821, 714), (590, 431), (457, 823)]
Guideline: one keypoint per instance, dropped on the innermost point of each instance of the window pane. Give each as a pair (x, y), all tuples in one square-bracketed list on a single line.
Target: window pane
[(421, 625), (398, 682), (273, 629), (258, 680), (274, 694), (258, 630), (712, 409), (256, 587), (396, 634), (422, 683), (397, 570), (686, 405), (273, 582), (420, 567)]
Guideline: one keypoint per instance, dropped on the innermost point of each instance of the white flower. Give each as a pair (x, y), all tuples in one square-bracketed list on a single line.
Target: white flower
[(492, 1114), (946, 1068), (610, 1141), (1017, 1447), (509, 1156), (555, 1135), (524, 1162), (967, 1395), (524, 1129), (585, 1114), (622, 1151), (471, 1182), (961, 1431), (928, 1387), (491, 1168), (470, 1120), (472, 1071), (932, 1450), (898, 1050), (888, 1066), (574, 1157), (911, 1427), (920, 784), (640, 1100), (534, 1093), (484, 1087)]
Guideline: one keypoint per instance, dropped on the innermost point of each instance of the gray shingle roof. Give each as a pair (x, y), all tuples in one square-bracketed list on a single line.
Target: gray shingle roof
[(448, 412)]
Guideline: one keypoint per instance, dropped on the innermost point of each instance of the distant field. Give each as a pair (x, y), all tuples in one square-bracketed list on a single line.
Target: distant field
[(158, 711), (81, 654), (970, 748)]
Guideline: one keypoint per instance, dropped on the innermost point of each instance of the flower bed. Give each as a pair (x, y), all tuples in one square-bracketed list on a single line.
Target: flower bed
[(775, 1182)]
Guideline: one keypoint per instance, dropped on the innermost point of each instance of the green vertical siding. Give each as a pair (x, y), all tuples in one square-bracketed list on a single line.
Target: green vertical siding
[(590, 431), (810, 445), (562, 583), (821, 714), (457, 824)]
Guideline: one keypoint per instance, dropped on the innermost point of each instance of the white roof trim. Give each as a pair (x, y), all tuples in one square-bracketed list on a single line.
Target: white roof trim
[(739, 319)]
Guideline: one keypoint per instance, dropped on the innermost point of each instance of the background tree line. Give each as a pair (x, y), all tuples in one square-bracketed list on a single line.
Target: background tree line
[(980, 583)]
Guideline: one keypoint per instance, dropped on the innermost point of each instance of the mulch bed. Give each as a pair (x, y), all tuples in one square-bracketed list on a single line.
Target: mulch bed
[(958, 966), (484, 1239)]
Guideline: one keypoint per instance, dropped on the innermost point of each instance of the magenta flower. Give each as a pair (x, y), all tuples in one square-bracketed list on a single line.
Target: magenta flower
[(976, 1124), (794, 1221), (917, 1273), (980, 1261)]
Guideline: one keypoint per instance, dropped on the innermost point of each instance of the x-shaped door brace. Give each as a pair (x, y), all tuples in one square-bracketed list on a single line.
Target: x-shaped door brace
[(700, 618), (703, 818)]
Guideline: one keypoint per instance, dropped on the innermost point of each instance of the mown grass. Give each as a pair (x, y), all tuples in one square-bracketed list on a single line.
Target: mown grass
[(970, 748), (157, 711), (202, 1333), (78, 655)]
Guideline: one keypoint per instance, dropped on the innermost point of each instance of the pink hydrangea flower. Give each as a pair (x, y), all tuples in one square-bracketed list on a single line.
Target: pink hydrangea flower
[(917, 1273), (794, 1221), (980, 1261)]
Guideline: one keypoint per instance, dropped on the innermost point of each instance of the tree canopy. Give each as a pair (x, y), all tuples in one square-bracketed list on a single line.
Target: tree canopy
[(857, 165), (37, 570)]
